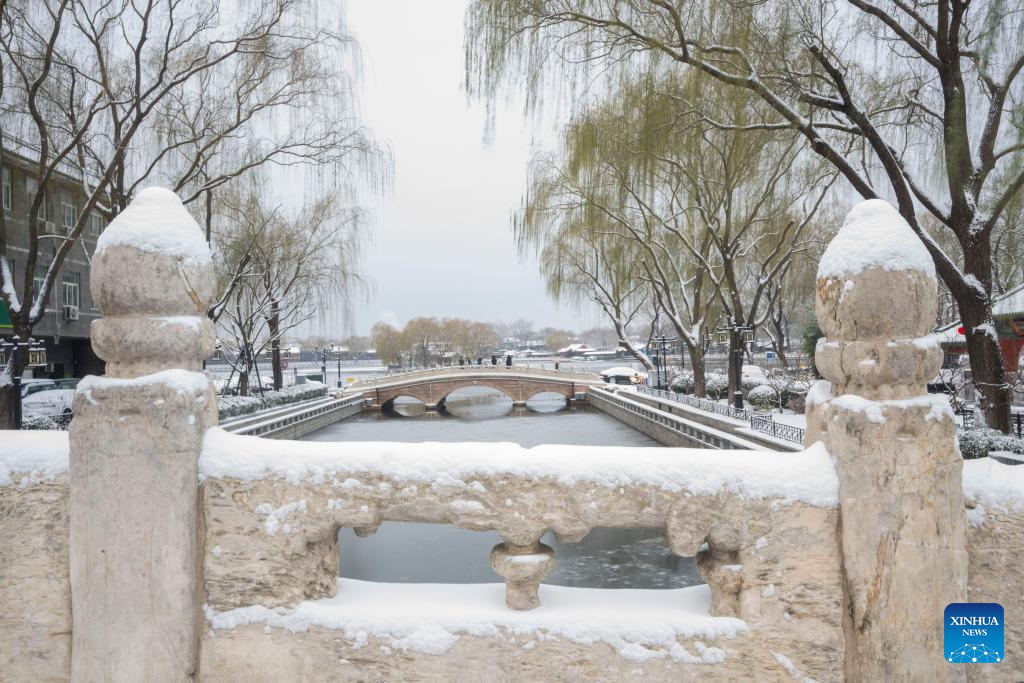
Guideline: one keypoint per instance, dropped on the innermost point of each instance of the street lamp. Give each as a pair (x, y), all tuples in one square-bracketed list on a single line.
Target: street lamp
[(14, 347), (736, 334), (661, 346), (337, 353)]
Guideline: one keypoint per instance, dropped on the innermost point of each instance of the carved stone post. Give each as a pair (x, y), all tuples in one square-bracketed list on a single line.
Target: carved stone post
[(903, 528), (523, 568), (135, 443)]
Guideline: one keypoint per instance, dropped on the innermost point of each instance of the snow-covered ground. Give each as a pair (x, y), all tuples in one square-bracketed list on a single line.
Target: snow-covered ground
[(790, 418), (430, 618)]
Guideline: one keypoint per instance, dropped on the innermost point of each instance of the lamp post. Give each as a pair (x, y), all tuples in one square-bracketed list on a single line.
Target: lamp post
[(15, 347), (661, 347), (337, 353), (736, 334)]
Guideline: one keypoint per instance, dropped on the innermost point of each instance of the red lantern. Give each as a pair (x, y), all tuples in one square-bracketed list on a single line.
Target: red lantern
[(960, 330)]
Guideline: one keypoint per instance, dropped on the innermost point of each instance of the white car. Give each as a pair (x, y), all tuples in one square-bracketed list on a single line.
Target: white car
[(46, 398)]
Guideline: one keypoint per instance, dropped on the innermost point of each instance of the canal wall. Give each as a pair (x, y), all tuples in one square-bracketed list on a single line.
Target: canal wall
[(719, 423), (296, 421), (664, 427), (179, 552)]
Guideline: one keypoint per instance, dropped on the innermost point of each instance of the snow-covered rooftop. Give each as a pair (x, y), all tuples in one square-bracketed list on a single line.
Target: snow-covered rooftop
[(874, 235), (429, 618)]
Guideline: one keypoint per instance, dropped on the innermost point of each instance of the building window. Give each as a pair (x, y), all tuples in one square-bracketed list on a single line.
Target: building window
[(69, 215), (7, 189), (72, 284), (95, 224)]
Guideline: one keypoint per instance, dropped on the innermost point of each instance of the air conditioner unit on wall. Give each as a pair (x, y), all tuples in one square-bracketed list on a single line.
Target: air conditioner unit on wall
[(71, 312), (49, 228)]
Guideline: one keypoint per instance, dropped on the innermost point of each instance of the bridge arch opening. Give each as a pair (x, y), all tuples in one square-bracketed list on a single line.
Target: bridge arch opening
[(477, 402), (403, 406), (547, 402), (610, 558)]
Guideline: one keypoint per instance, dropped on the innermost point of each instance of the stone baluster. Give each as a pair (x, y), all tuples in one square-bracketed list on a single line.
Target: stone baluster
[(903, 529), (523, 567), (134, 446)]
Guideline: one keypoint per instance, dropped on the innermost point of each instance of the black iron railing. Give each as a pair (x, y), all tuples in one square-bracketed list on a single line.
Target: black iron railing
[(760, 422)]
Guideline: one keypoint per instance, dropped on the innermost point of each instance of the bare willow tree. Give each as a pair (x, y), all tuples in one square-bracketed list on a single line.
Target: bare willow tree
[(915, 102), (581, 264), (124, 93), (288, 259), (714, 217)]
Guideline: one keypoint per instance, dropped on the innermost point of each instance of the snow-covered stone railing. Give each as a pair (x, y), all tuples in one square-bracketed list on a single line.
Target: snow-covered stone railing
[(180, 552)]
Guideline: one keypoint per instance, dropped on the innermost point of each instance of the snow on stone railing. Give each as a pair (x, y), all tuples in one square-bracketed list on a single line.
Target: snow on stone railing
[(274, 509), (828, 563)]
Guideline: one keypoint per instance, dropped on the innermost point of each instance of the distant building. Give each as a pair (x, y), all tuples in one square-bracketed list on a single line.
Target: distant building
[(1008, 312), (573, 350), (70, 310)]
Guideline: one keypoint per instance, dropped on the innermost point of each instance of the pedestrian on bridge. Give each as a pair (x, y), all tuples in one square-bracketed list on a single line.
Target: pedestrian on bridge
[(479, 360), (508, 361), (494, 360)]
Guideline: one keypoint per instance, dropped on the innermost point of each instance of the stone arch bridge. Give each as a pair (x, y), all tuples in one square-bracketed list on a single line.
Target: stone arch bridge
[(433, 386)]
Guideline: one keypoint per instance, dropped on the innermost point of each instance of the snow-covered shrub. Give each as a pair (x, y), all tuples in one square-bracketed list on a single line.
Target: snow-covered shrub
[(752, 382), (753, 376), (716, 385), (978, 443), (763, 397), (974, 443), (233, 406), (682, 383), (38, 422), (1007, 443)]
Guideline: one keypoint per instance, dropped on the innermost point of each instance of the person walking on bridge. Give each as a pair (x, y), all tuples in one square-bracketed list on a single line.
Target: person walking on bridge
[(508, 361)]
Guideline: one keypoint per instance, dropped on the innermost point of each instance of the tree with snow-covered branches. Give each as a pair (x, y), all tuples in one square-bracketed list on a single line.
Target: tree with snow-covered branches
[(914, 102)]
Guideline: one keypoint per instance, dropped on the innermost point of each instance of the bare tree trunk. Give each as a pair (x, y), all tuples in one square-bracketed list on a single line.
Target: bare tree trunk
[(988, 371), (697, 367), (16, 363)]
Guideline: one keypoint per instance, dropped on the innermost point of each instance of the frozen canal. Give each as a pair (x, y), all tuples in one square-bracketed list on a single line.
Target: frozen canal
[(435, 553)]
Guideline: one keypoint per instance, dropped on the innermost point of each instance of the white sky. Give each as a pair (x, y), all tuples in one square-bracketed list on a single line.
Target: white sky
[(442, 242)]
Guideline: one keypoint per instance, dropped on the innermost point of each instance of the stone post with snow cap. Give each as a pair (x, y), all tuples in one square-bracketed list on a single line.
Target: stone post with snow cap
[(134, 448), (902, 522)]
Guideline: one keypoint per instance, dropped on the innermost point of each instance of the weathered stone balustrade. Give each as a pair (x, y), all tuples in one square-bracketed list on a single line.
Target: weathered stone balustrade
[(154, 546), (273, 510)]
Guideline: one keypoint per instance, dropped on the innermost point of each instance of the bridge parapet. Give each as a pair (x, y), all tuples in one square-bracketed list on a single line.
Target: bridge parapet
[(829, 563), (274, 510)]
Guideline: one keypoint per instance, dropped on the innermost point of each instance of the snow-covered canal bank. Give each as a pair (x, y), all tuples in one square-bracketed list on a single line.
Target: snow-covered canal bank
[(434, 553)]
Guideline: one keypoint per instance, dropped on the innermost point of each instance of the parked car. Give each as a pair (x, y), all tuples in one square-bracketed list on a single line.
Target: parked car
[(47, 399), (33, 386)]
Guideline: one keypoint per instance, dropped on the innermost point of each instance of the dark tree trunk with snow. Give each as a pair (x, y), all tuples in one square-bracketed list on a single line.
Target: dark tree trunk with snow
[(697, 367), (988, 372), (17, 361)]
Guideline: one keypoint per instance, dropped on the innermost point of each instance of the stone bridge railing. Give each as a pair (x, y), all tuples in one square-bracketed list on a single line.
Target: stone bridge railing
[(416, 376), (152, 545)]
